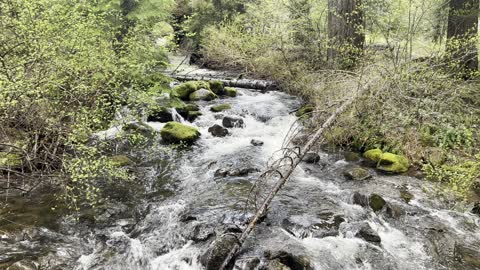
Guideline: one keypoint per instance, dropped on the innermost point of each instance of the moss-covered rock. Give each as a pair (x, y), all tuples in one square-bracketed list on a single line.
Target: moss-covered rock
[(160, 114), (139, 128), (184, 90), (219, 108), (174, 132), (217, 87), (193, 115), (376, 202), (305, 110), (10, 160), (351, 156), (231, 92), (357, 174), (121, 160), (373, 155), (203, 94), (202, 84), (192, 107), (177, 104), (393, 163)]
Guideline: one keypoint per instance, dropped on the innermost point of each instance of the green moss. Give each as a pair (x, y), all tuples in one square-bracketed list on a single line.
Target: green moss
[(219, 108), (376, 202), (393, 163), (177, 104), (217, 87), (305, 110), (192, 107), (184, 90), (202, 95), (202, 84), (10, 160), (139, 128), (373, 155), (121, 160), (174, 132), (231, 92)]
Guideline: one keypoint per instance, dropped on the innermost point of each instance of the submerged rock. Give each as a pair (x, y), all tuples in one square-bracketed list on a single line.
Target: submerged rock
[(256, 142), (202, 94), (376, 202), (218, 131), (174, 132), (368, 234), (406, 195), (291, 261), (219, 108), (311, 157), (357, 174), (232, 122), (218, 251), (234, 172)]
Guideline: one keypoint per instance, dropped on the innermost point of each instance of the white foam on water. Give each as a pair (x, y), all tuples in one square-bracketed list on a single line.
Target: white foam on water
[(179, 259)]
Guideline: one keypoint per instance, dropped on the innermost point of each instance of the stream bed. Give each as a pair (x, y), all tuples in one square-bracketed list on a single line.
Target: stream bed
[(320, 220)]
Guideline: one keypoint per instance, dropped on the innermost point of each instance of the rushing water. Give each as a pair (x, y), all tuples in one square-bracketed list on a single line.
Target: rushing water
[(188, 206)]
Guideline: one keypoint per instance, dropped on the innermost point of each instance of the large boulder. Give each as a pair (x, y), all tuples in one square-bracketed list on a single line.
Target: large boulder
[(218, 251), (387, 162), (184, 90), (218, 131), (161, 114), (202, 94), (233, 121), (393, 163), (174, 132)]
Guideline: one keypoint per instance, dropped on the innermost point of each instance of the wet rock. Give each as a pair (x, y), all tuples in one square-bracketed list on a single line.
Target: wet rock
[(184, 90), (234, 172), (302, 227), (360, 199), (218, 251), (376, 202), (256, 142), (174, 132), (247, 263), (291, 261), (476, 187), (467, 256), (277, 265), (162, 115), (24, 265), (232, 122), (406, 195), (202, 94), (476, 209), (368, 234), (311, 157), (193, 115), (217, 87), (201, 232), (357, 174), (394, 211), (218, 131), (351, 156)]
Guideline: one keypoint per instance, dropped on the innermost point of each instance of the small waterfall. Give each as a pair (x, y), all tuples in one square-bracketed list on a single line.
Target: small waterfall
[(176, 116)]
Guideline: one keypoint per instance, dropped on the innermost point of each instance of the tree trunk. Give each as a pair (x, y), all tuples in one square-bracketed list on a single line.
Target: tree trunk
[(462, 33), (345, 32)]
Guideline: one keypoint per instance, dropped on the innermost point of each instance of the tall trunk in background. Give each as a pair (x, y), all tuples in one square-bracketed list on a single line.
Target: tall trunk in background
[(345, 32), (462, 32)]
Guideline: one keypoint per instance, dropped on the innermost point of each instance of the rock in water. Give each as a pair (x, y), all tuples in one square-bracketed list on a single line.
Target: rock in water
[(219, 108), (387, 162), (231, 92), (360, 199), (174, 132), (218, 251), (202, 94), (289, 260), (368, 234), (218, 131), (256, 142), (311, 157), (376, 202), (357, 174), (373, 155), (232, 121), (476, 209)]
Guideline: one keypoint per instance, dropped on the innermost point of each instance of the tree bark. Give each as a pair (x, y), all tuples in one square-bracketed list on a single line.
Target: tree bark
[(345, 31), (462, 32)]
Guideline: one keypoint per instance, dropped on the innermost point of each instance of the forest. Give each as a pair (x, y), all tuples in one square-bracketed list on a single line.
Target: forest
[(239, 134)]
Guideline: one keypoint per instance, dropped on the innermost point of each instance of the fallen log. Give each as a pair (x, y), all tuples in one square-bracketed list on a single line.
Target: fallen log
[(240, 83), (284, 171)]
